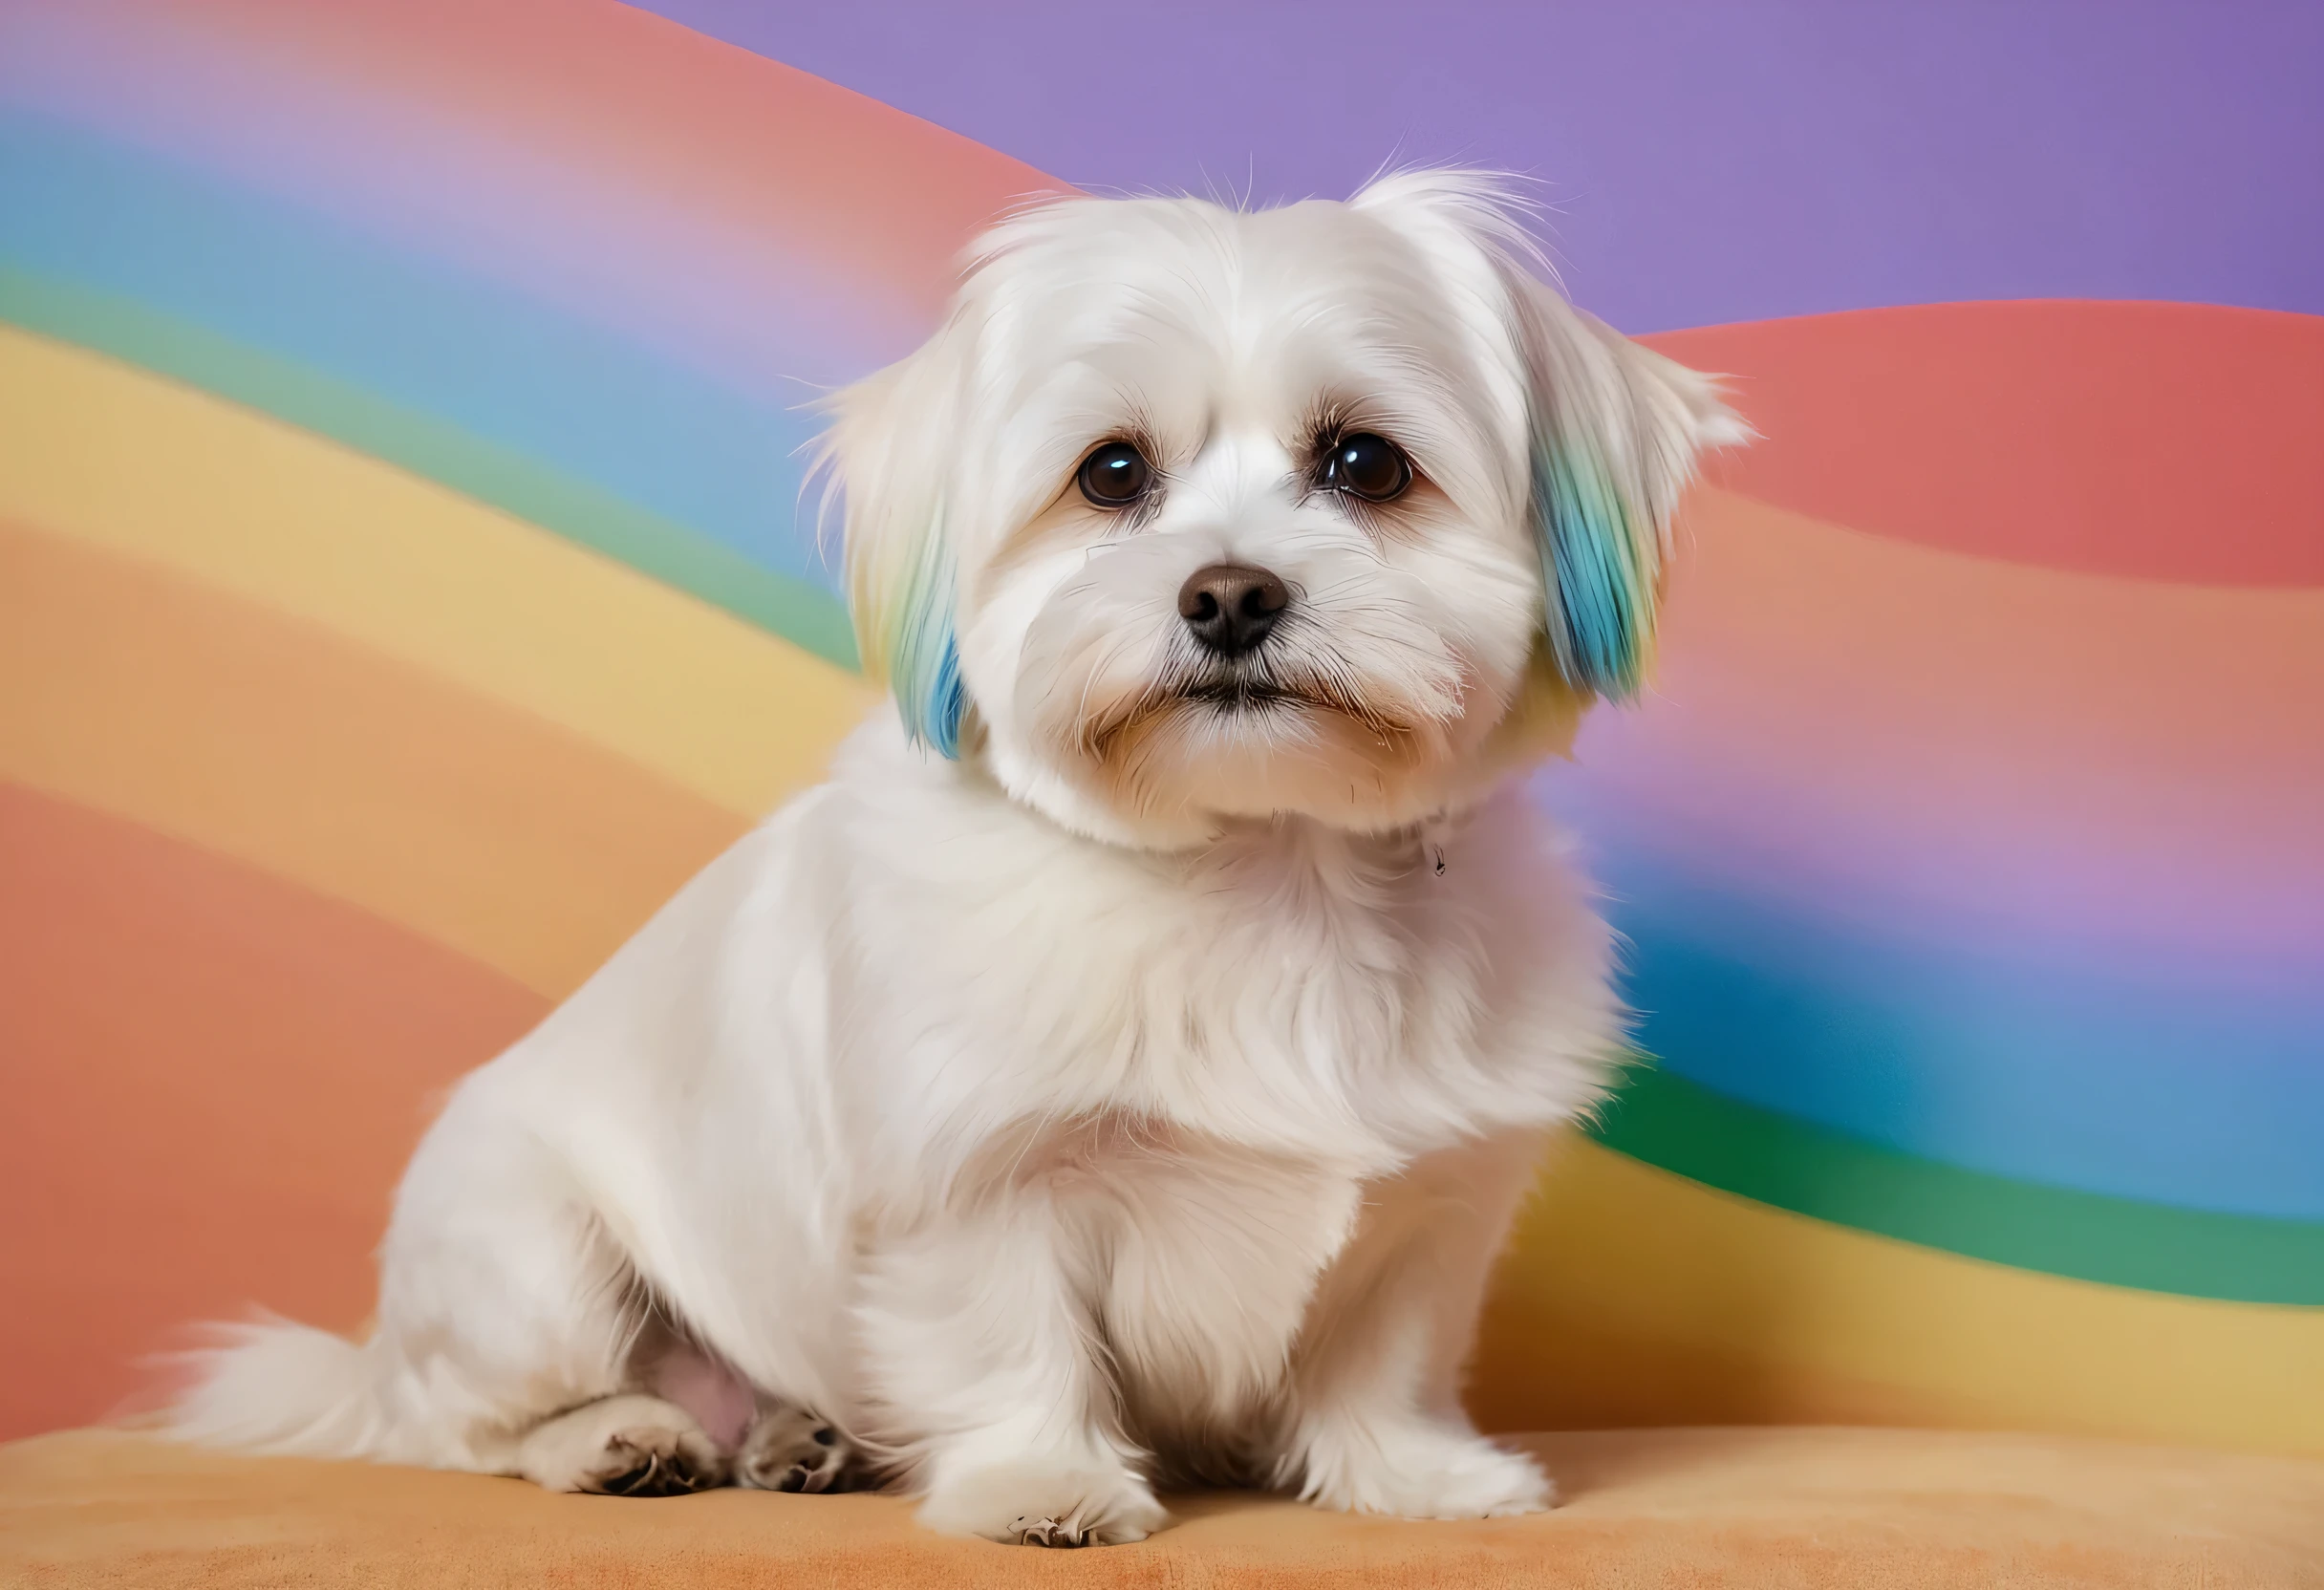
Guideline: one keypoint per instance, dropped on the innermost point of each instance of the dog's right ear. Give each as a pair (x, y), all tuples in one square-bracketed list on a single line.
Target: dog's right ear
[(886, 452)]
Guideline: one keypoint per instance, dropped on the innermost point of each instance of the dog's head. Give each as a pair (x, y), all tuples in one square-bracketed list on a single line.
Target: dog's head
[(1188, 515)]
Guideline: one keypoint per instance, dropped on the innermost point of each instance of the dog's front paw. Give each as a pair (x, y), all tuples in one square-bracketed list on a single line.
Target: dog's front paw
[(1426, 1472), (1034, 1504), (625, 1446), (789, 1448)]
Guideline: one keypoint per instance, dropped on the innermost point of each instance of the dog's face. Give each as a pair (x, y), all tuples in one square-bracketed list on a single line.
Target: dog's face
[(1189, 515)]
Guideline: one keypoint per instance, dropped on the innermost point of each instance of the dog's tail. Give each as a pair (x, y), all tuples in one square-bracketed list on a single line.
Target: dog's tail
[(271, 1385)]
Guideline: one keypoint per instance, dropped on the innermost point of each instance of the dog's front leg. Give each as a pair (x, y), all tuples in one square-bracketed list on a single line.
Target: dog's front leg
[(1374, 1423), (984, 1360)]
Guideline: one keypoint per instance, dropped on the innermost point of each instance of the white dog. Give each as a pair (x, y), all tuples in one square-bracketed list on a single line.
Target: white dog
[(1125, 1070)]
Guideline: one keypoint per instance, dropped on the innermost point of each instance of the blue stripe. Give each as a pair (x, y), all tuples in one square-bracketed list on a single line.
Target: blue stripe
[(2124, 1081), (477, 356)]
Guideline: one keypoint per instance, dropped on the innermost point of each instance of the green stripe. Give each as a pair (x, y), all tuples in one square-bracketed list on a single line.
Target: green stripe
[(582, 513), (1658, 1118), (1670, 1122)]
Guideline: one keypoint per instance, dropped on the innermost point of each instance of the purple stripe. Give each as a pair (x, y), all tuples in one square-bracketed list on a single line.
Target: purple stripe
[(1713, 161)]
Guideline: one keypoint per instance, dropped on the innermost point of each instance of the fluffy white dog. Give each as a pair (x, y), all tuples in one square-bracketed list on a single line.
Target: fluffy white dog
[(1124, 1070)]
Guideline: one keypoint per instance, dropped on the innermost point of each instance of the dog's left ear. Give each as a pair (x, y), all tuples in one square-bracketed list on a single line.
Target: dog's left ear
[(1617, 432), (891, 437), (1616, 428)]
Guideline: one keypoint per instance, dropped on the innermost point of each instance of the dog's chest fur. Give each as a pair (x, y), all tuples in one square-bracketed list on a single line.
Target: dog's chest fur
[(1289, 991), (1198, 1262), (1207, 1067)]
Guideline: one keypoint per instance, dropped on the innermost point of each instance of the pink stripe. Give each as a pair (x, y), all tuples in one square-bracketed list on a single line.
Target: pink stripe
[(1850, 717)]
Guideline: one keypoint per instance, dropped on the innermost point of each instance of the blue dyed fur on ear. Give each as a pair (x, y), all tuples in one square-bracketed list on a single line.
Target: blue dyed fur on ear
[(942, 704), (1597, 571), (922, 651)]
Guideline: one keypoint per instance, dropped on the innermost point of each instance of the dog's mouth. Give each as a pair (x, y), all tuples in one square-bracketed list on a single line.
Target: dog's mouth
[(1230, 696), (1243, 694)]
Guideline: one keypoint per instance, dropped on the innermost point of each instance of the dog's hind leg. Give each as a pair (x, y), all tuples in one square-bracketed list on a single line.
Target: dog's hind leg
[(504, 1306)]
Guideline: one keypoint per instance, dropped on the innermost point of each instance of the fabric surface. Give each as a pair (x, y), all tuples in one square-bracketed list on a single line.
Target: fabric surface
[(1795, 1508)]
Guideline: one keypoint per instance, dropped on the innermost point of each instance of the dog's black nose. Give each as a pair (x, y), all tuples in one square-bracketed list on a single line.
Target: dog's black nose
[(1232, 605)]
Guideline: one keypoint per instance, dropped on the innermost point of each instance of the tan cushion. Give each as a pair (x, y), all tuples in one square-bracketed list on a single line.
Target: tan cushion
[(1790, 1508)]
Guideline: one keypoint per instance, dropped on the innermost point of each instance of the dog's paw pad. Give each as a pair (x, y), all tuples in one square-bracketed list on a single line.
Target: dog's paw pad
[(655, 1462), (1035, 1504), (788, 1448), (1431, 1474), (625, 1446)]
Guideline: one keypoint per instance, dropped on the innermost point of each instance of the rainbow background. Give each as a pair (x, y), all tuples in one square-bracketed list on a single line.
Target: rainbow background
[(402, 592)]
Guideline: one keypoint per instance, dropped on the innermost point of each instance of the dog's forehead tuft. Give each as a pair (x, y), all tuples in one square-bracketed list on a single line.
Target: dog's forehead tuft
[(1080, 278)]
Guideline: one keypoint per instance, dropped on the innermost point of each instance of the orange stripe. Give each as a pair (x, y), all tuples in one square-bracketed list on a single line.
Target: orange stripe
[(2169, 442), (214, 1079), (1990, 652), (491, 833)]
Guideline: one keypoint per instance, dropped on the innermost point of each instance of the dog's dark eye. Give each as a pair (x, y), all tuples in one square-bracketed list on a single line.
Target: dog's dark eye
[(1368, 466), (1115, 476)]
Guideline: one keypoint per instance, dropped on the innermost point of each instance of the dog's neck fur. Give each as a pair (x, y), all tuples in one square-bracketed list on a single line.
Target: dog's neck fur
[(1196, 840)]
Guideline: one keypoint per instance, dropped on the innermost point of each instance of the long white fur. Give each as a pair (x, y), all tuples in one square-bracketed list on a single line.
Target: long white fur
[(1056, 1125)]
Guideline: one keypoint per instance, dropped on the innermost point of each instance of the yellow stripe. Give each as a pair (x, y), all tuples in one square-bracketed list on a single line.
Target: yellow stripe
[(103, 453), (149, 697), (1634, 1294)]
